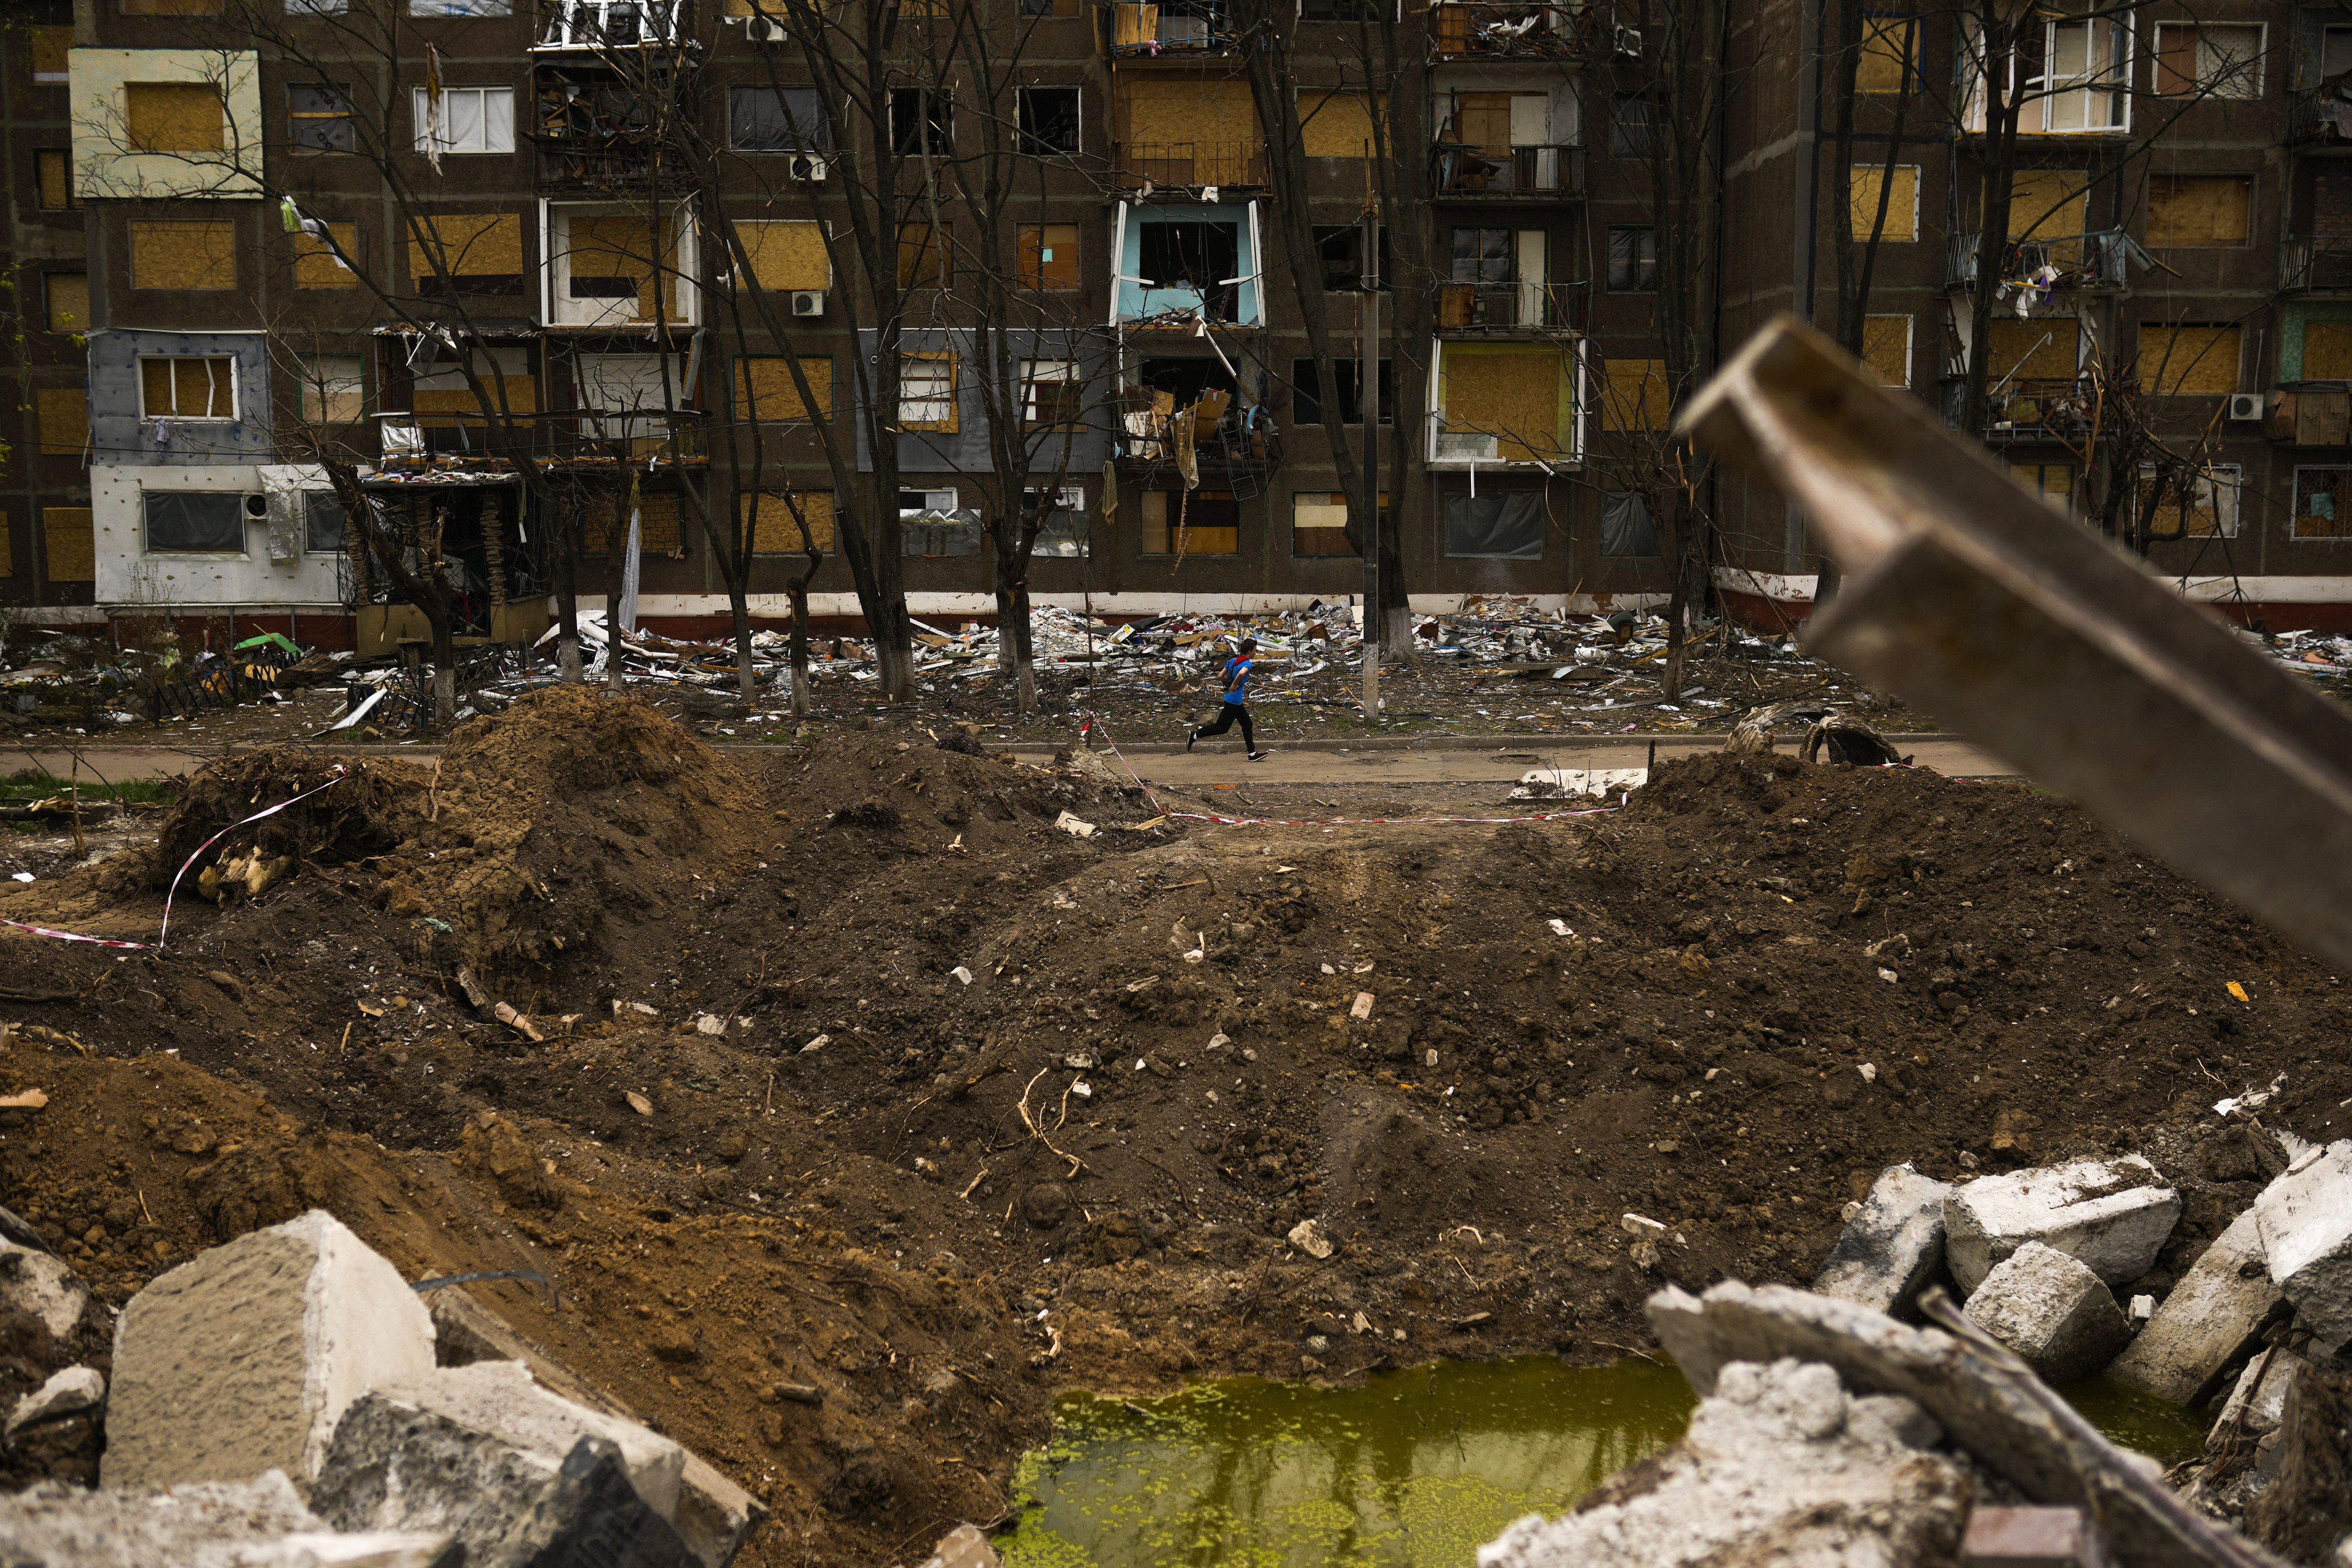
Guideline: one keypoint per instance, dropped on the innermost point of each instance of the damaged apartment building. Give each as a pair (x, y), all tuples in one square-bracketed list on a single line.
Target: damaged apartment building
[(461, 250)]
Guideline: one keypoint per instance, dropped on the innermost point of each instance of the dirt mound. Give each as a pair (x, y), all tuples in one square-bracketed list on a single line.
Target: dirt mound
[(366, 809)]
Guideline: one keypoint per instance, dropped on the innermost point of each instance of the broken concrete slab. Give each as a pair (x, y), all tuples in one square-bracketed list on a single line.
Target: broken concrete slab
[(259, 1523), (39, 1284), (1780, 1462), (75, 1389), (1889, 1249), (244, 1359), (2211, 1316), (2306, 1220), (2002, 1537), (2006, 1419), (2051, 1311), (963, 1547), (2114, 1214)]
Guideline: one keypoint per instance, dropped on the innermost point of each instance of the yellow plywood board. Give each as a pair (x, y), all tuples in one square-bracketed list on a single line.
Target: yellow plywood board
[(520, 392), (173, 117), (1198, 111), (2054, 482), (315, 266), (1887, 43), (1633, 395), (1886, 349), (2187, 361), (627, 246), (2327, 351), (1339, 124), (50, 46), (765, 389), (471, 245), (68, 302), (2034, 350), (183, 255), (53, 172), (1049, 255), (2199, 209), (1513, 395), (777, 531), (65, 420), (787, 254), (189, 386), (1902, 201), (7, 549), (2050, 204), (70, 543)]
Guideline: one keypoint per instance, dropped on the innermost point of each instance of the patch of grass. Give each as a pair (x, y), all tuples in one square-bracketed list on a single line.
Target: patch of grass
[(39, 783)]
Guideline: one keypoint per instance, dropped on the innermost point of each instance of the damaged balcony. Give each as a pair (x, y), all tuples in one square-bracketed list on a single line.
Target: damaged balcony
[(1499, 30), (1509, 310), (2101, 259), (2033, 408), (1190, 29), (1543, 173), (2318, 266), (593, 133), (1186, 421), (593, 24), (1180, 167)]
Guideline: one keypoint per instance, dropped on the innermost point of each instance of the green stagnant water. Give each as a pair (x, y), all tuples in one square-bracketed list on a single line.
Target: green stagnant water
[(1414, 1469)]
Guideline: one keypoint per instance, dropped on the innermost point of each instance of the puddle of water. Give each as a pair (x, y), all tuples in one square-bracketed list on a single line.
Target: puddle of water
[(1414, 1470)]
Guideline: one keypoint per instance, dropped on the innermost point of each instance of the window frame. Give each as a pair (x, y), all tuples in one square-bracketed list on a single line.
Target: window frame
[(2199, 88), (49, 303), (65, 163), (417, 108), (1622, 143), (307, 385), (235, 413), (815, 138), (2343, 471), (1072, 375), (1027, 140), (147, 545), (935, 138), (311, 545), (1910, 346), (948, 358), (2225, 497), (1645, 265), (297, 118)]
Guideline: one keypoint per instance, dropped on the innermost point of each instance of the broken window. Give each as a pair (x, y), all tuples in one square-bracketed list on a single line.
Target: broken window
[(1049, 119), (1062, 532), (1632, 257), (319, 118), (1501, 525), (195, 521), (776, 120), (921, 123), (1201, 257), (1307, 392), (2180, 503), (2067, 76), (188, 388), (927, 392), (932, 525)]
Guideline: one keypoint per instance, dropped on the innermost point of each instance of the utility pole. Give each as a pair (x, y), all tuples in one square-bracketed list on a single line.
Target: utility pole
[(1368, 394)]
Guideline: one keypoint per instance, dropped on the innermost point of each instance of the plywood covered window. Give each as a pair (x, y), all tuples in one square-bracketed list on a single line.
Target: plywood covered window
[(2198, 505), (1506, 404), (923, 255), (1901, 200), (188, 386), (1049, 255), (183, 255), (70, 543), (478, 253), (53, 175), (623, 257), (2187, 361), (2045, 350), (50, 46), (315, 263), (1190, 131), (786, 522), (2209, 60), (787, 254), (2327, 351), (1890, 55), (2052, 207), (765, 389), (2054, 482), (171, 7), (1886, 349), (503, 375), (67, 300), (927, 392), (329, 389), (1318, 524), (2323, 504), (64, 413), (1337, 124), (1196, 523), (661, 525), (173, 117), (1633, 395), (2199, 210)]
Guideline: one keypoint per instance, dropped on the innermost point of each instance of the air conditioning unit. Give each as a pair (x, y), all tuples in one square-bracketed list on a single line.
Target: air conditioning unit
[(807, 168), (2246, 407), (808, 302), (1626, 41), (764, 31)]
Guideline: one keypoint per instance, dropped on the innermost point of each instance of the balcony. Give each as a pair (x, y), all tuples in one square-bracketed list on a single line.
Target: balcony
[(2321, 266), (1501, 309), (1553, 173), (2077, 261), (1501, 30), (449, 442), (2320, 114), (1183, 29), (594, 24), (2037, 410), (1231, 448), (1190, 165)]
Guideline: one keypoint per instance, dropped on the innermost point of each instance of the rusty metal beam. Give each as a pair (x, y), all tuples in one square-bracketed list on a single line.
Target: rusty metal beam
[(2042, 642)]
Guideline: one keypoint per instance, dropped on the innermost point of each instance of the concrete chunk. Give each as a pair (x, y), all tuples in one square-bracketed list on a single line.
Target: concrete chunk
[(244, 1359), (248, 1524), (2218, 1307), (2114, 1214), (39, 1285), (2051, 1311), (2030, 1538), (2306, 1220), (1889, 1250), (77, 1388)]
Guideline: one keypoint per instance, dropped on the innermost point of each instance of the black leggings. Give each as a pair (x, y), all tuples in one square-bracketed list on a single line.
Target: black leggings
[(1232, 710)]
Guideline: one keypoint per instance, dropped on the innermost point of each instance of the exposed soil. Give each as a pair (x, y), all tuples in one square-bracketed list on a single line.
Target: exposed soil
[(940, 1201)]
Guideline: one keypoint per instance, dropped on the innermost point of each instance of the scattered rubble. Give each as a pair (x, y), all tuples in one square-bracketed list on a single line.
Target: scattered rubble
[(1892, 1246), (2306, 1221), (2113, 1214), (2207, 1322), (2049, 1308)]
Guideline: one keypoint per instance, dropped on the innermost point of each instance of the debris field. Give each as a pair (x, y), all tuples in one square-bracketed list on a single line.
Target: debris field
[(847, 1103)]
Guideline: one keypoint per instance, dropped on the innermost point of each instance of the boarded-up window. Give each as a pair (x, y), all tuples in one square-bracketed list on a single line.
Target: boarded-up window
[(1513, 400), (923, 255), (50, 46), (480, 252), (183, 255), (2187, 361), (2199, 209), (2046, 350), (927, 392), (53, 172), (1180, 130), (2327, 351), (784, 523), (1886, 349), (65, 420), (661, 528), (315, 266), (172, 117), (1890, 55), (1633, 395), (1495, 525), (2193, 505), (2052, 205), (68, 544), (188, 386), (786, 255), (2209, 60), (1901, 200), (1334, 124), (1196, 523), (505, 395), (2054, 482), (1049, 255), (2323, 503), (1319, 522), (765, 389), (68, 302)]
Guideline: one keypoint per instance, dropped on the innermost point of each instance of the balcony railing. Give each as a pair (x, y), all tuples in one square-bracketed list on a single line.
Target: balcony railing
[(445, 439), (1234, 443), (2099, 260), (2022, 409), (1538, 174), (1500, 29), (1140, 29), (2321, 265), (2319, 114), (611, 24), (1490, 308), (1169, 164)]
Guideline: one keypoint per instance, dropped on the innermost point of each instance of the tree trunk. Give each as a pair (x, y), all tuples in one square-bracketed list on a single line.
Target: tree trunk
[(745, 680), (799, 592), (445, 671), (567, 600), (1677, 603)]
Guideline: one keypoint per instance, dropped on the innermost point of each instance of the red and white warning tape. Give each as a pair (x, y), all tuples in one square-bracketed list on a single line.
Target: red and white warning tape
[(71, 936)]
